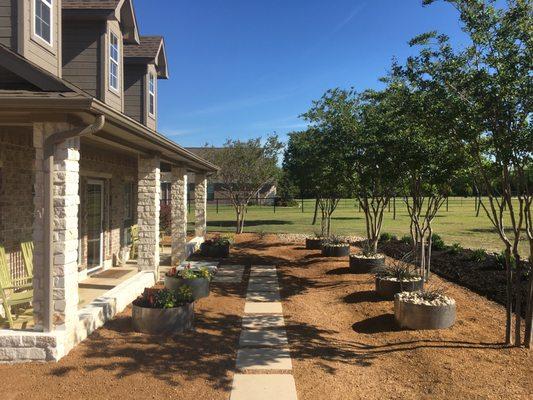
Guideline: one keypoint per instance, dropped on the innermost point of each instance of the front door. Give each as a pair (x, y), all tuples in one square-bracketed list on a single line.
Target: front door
[(95, 219)]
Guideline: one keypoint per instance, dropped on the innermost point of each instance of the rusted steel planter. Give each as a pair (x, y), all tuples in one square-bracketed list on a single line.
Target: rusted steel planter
[(422, 316), (313, 243), (159, 321), (198, 286), (209, 250), (364, 265), (387, 289), (335, 251)]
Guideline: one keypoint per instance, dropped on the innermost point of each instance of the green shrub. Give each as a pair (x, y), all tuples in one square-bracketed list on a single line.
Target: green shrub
[(455, 248), (386, 237), (500, 261), (437, 242), (478, 255), (406, 239)]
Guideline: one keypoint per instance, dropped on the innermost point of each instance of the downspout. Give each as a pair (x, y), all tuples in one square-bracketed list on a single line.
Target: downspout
[(48, 226)]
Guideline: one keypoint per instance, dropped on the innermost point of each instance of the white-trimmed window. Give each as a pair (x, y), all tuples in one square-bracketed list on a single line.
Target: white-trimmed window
[(43, 20), (114, 69), (151, 94)]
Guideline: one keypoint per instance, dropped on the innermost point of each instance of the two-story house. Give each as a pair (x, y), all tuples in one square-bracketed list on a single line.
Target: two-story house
[(80, 162)]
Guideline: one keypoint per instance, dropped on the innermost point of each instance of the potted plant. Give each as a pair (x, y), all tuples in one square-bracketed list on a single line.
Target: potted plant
[(216, 247), (314, 243), (424, 310), (335, 246), (197, 280), (367, 261), (396, 278), (162, 311)]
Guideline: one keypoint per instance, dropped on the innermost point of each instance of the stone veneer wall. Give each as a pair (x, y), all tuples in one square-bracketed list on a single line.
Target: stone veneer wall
[(16, 183), (148, 206), (179, 214), (200, 204), (115, 170)]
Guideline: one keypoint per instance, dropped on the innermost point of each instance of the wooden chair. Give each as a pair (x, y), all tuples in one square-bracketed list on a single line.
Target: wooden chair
[(27, 255), (12, 292)]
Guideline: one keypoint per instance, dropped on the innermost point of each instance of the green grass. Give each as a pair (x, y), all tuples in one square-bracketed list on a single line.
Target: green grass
[(458, 224)]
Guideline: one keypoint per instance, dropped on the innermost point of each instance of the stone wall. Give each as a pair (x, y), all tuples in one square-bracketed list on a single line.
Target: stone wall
[(16, 184), (148, 206), (200, 204), (115, 170)]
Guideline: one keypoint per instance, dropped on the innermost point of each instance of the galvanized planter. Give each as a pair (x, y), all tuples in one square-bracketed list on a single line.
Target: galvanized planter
[(209, 250), (163, 321), (364, 265), (199, 286), (313, 243), (422, 316), (335, 251), (387, 289)]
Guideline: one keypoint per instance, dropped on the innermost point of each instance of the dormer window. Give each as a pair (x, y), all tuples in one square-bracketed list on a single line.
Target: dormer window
[(114, 70), (43, 20), (151, 94)]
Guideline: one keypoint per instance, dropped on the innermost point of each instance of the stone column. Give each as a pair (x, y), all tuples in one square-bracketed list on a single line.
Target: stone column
[(200, 204), (178, 189), (65, 230), (148, 206)]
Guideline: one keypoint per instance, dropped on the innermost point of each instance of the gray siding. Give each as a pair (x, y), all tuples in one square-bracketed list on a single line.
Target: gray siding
[(8, 23), (134, 78), (82, 55)]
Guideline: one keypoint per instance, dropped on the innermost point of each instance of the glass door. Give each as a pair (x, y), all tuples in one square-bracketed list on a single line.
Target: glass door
[(95, 218)]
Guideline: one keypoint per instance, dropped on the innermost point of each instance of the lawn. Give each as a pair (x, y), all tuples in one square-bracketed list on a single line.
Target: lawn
[(457, 224)]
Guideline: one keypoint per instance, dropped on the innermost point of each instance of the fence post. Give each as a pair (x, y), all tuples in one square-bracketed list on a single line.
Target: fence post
[(189, 205), (302, 204), (447, 198), (274, 205), (217, 206)]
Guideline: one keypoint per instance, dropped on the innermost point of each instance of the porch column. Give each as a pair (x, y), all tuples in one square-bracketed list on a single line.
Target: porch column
[(148, 206), (65, 231), (178, 189), (200, 204)]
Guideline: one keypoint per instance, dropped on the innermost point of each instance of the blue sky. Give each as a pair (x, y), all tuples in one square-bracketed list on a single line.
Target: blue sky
[(247, 68)]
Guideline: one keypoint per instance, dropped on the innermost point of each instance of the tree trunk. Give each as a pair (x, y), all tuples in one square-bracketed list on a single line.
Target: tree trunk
[(316, 212), (509, 297), (394, 208)]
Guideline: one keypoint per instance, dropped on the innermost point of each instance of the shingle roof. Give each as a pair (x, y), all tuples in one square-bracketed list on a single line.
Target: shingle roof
[(148, 48), (90, 4)]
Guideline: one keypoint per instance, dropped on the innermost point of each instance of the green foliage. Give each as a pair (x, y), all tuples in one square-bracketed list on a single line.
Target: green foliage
[(245, 167), (478, 255), (164, 298), (386, 237), (455, 249), (400, 269), (406, 239), (437, 242)]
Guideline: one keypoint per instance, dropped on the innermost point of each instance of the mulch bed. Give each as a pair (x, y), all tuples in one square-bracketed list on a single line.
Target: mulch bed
[(343, 340)]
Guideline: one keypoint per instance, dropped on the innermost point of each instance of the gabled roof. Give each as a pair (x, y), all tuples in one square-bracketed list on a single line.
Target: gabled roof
[(151, 49), (123, 10)]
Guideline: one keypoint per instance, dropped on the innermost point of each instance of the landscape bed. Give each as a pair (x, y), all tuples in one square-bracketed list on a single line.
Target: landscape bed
[(343, 340)]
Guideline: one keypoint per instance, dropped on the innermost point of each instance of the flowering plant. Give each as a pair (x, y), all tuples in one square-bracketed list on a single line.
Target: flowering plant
[(188, 273), (164, 298)]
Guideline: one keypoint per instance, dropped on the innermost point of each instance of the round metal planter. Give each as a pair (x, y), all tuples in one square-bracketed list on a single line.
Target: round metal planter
[(387, 289), (160, 321), (313, 243), (335, 251), (208, 250), (363, 265), (199, 286), (422, 316)]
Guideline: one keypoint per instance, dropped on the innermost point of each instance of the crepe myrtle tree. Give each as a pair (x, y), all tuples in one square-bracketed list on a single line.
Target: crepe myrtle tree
[(375, 158), (430, 161), (245, 167), (489, 84), (310, 161)]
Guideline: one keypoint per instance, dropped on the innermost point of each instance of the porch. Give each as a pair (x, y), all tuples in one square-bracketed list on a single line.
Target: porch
[(86, 214)]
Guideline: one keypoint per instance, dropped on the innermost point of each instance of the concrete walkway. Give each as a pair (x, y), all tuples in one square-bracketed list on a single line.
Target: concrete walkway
[(263, 359)]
